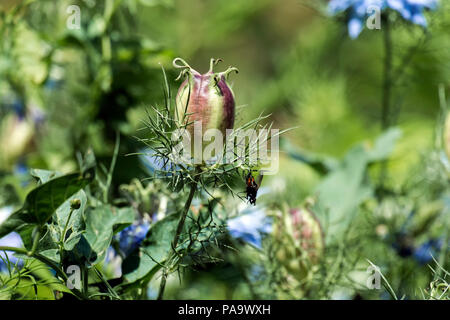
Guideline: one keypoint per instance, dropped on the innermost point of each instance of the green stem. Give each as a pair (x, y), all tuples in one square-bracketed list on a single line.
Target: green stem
[(106, 283), (85, 279), (35, 241), (162, 285), (386, 93), (48, 262), (387, 78), (63, 234), (111, 168), (187, 205), (179, 229)]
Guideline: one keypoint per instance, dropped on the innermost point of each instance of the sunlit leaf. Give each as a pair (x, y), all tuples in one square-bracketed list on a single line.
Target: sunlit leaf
[(154, 251)]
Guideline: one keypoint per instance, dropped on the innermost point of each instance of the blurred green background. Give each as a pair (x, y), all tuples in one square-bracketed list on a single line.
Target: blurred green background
[(294, 62), (62, 90)]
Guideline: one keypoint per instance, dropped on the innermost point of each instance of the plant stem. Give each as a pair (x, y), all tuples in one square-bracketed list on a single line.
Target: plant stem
[(111, 168), (179, 229), (187, 205), (85, 279), (35, 241), (106, 283), (48, 262), (386, 93), (162, 285), (63, 234)]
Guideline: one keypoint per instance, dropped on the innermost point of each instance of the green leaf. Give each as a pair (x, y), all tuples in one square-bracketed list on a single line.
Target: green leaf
[(384, 145), (341, 191), (19, 221), (153, 252), (89, 162), (72, 240), (46, 198), (52, 235), (101, 222), (52, 254), (42, 201), (345, 188), (42, 176), (49, 239), (75, 224)]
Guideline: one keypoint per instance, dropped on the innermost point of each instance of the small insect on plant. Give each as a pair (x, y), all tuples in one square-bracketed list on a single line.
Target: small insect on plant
[(252, 186)]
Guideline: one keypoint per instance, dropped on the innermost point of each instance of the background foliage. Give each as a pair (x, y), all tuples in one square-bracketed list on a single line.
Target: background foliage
[(72, 104)]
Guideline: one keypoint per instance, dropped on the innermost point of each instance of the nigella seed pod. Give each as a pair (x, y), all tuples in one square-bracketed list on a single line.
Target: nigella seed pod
[(301, 241), (307, 231), (204, 99)]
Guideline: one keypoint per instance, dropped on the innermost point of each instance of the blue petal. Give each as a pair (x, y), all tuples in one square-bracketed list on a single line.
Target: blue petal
[(360, 8), (431, 4), (249, 237), (425, 252), (355, 27), (11, 240), (412, 10), (250, 227), (131, 237), (418, 18), (397, 5), (336, 6)]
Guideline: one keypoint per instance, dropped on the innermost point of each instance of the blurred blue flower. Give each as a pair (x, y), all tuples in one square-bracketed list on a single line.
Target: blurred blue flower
[(426, 251), (19, 108), (20, 168), (30, 111), (129, 240), (113, 262), (250, 227), (410, 10), (131, 237), (154, 163), (37, 115), (21, 171), (13, 104), (152, 293), (52, 83), (11, 240)]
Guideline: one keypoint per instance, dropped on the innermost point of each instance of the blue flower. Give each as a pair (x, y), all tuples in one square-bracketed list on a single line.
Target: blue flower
[(426, 251), (129, 240), (37, 115), (13, 104), (250, 227), (131, 237), (358, 12), (19, 108), (21, 171), (154, 163), (410, 10), (11, 240)]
